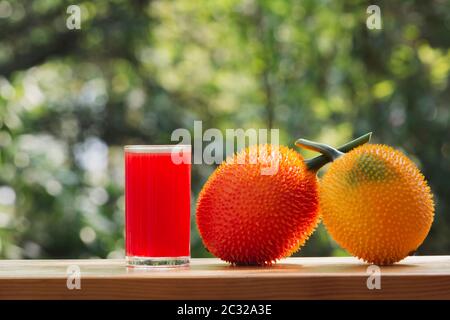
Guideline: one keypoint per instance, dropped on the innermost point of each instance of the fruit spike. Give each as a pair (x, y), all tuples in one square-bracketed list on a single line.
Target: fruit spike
[(329, 153)]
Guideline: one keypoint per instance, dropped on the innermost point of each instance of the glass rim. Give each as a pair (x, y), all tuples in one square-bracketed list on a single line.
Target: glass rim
[(155, 148)]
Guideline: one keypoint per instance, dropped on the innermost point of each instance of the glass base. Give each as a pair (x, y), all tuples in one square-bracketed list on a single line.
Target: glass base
[(134, 261)]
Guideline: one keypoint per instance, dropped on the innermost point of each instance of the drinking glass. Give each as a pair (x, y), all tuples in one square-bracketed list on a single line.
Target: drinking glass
[(157, 205)]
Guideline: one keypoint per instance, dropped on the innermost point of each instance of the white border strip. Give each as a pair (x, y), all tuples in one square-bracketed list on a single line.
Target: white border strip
[(157, 148)]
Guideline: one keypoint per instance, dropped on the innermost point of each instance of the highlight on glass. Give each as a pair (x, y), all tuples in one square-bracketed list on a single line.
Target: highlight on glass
[(157, 205)]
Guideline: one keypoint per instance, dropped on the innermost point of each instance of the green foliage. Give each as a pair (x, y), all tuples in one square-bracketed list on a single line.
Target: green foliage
[(137, 70)]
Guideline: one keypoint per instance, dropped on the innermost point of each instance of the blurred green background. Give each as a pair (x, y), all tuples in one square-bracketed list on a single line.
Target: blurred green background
[(137, 70)]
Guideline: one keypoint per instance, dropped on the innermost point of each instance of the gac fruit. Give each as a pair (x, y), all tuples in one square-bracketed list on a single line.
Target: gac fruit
[(376, 204), (248, 218)]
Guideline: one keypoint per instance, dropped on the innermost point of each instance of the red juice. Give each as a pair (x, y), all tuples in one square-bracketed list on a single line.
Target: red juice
[(157, 201)]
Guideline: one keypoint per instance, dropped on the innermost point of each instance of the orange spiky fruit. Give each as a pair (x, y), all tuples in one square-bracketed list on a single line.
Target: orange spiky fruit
[(247, 217), (376, 204)]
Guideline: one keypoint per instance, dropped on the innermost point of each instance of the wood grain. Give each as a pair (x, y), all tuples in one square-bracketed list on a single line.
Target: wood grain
[(293, 278)]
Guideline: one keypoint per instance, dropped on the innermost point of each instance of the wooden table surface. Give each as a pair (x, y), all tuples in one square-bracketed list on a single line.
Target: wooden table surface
[(293, 278)]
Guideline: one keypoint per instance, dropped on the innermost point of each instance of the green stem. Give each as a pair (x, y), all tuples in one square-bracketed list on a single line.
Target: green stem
[(329, 153)]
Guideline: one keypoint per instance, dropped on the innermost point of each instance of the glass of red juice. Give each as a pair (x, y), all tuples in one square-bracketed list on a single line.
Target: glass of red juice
[(157, 205)]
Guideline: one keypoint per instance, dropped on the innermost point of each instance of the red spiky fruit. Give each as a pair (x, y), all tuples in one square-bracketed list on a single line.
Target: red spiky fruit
[(249, 218)]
